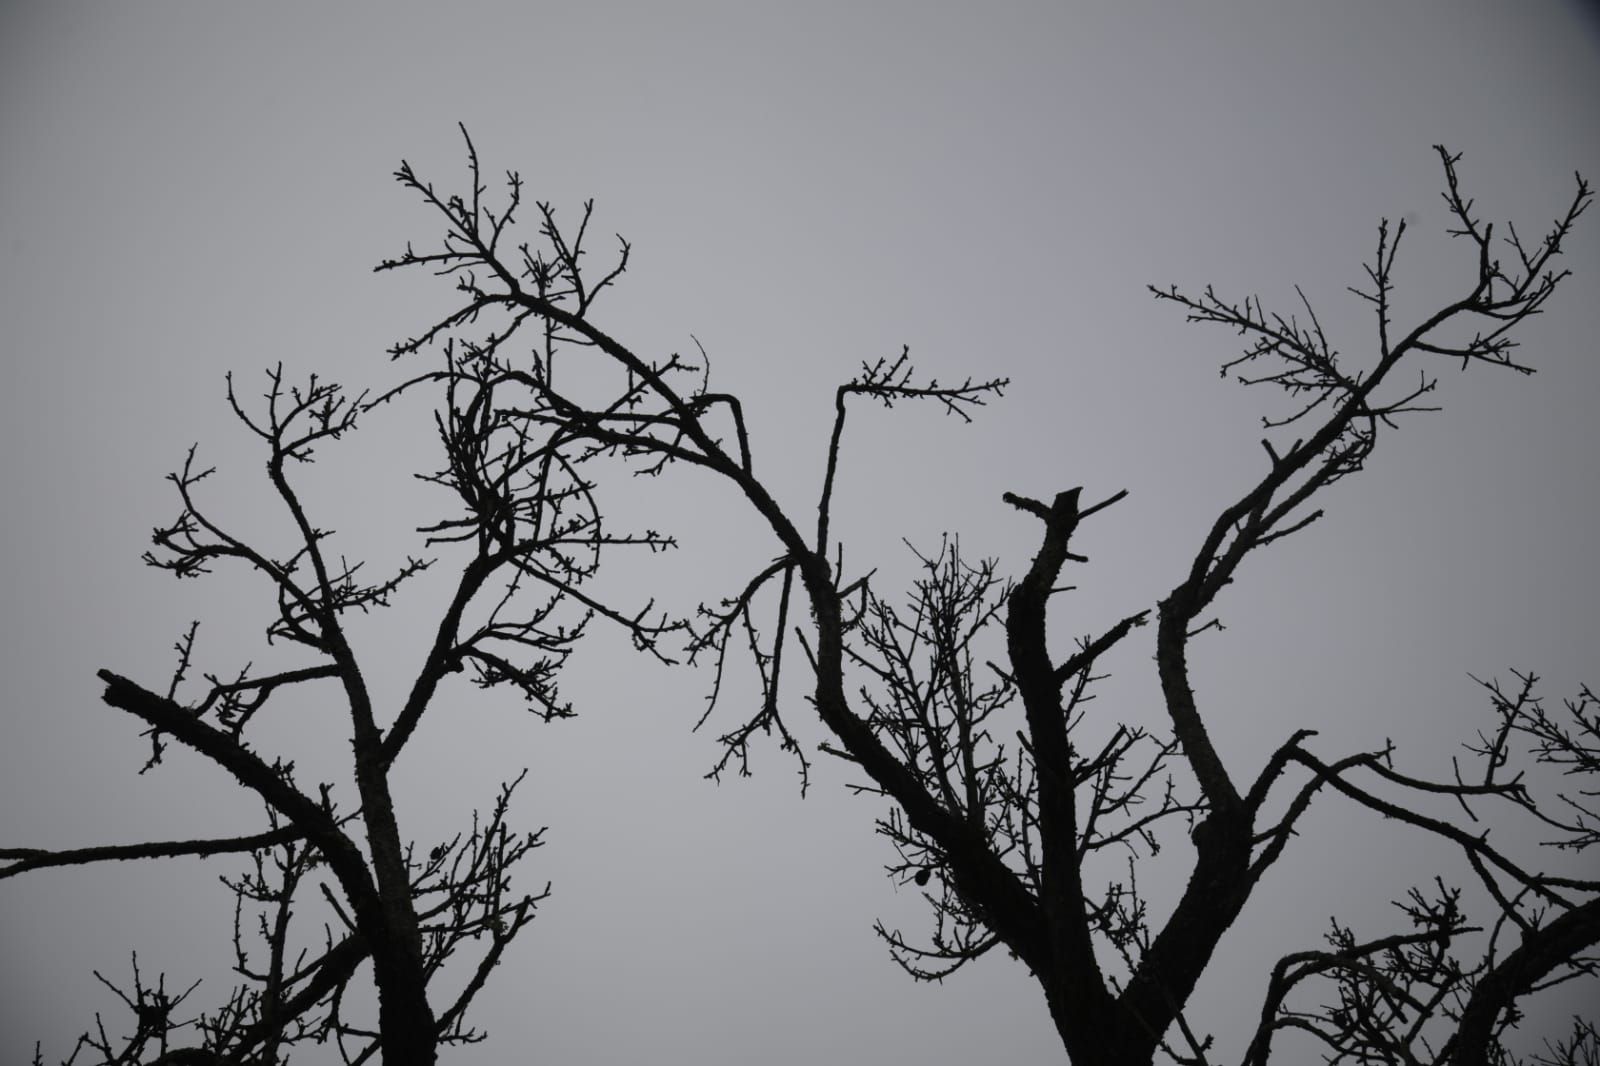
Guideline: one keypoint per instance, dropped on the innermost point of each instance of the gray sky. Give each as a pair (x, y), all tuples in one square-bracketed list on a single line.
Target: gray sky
[(189, 189)]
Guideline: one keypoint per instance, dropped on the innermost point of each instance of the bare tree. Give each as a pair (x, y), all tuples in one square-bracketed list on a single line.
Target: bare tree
[(1007, 799), (1024, 817), (524, 537)]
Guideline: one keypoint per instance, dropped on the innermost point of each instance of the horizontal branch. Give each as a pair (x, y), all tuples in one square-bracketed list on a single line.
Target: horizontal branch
[(25, 859)]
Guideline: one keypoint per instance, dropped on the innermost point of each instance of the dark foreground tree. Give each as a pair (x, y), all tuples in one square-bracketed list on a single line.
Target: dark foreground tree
[(1024, 817), (523, 540)]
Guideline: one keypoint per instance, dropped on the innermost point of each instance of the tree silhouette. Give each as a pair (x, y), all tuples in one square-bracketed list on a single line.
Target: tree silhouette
[(524, 537), (1008, 801)]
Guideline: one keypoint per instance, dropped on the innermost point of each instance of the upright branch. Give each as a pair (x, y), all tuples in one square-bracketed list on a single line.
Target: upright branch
[(1340, 411)]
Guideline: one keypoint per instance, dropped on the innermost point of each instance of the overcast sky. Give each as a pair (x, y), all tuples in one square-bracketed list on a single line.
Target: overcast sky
[(190, 189)]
